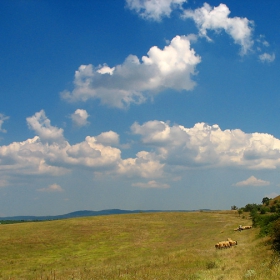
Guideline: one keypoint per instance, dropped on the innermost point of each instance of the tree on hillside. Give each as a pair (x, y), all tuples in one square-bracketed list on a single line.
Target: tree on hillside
[(265, 200), (234, 207), (250, 207)]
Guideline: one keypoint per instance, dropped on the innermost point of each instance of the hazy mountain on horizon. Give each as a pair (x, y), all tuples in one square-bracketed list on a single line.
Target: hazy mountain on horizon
[(86, 213)]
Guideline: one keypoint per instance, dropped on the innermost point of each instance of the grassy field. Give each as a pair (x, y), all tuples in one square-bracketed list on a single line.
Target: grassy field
[(171, 245)]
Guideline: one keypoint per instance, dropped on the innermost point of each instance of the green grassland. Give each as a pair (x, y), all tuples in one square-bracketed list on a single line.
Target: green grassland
[(167, 245)]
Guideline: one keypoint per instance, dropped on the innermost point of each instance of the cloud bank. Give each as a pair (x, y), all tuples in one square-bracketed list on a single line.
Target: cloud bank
[(205, 145), (166, 152)]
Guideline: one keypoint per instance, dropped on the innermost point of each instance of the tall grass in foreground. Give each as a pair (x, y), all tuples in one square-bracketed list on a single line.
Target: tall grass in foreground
[(136, 246)]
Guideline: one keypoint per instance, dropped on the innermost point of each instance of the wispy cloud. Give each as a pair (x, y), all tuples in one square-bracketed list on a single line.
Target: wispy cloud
[(252, 181), (2, 119), (266, 57), (3, 183), (151, 184), (52, 188), (154, 9)]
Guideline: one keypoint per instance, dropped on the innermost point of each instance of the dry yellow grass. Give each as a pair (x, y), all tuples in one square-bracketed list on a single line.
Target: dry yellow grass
[(136, 246)]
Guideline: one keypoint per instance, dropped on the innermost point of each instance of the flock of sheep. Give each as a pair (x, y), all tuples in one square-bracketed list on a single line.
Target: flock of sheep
[(229, 243)]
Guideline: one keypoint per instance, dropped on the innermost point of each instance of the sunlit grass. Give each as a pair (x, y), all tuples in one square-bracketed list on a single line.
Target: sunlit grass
[(136, 246)]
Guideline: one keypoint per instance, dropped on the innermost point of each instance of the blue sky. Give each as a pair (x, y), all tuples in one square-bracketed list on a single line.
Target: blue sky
[(138, 104)]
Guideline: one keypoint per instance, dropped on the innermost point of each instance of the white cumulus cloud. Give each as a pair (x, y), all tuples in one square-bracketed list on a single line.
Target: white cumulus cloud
[(154, 9), (88, 153), (57, 157), (28, 158), (108, 138), (252, 181), (217, 19), (206, 145), (79, 117), (144, 165), (42, 126), (49, 153), (134, 81)]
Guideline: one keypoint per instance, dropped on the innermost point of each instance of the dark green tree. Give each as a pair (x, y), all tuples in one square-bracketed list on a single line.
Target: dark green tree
[(265, 200), (250, 207)]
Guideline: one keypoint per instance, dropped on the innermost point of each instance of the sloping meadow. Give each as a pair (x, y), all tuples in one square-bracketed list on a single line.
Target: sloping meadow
[(166, 245)]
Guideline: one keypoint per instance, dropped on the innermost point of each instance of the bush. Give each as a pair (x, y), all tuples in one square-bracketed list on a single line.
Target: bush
[(265, 222), (254, 216), (276, 236), (211, 264), (240, 211)]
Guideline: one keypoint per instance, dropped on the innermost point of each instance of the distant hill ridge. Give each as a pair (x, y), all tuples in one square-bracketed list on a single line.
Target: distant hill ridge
[(76, 214), (84, 213)]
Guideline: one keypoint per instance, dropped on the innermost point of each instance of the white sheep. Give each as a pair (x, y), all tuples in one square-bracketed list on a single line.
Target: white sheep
[(222, 244), (246, 227), (242, 228), (232, 242)]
